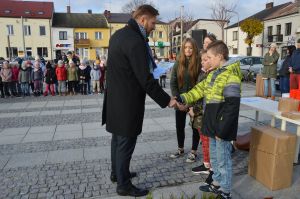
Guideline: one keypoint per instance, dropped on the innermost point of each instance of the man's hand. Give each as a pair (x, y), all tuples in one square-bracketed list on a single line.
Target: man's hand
[(290, 69)]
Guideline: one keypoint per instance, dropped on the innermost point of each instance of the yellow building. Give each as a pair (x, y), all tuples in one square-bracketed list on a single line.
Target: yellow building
[(158, 40), (26, 29), (90, 32)]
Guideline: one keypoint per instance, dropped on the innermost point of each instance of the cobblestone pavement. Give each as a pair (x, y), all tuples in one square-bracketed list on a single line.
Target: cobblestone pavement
[(55, 147)]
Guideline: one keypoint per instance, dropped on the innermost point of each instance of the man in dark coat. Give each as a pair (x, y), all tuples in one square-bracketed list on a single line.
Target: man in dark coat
[(129, 78)]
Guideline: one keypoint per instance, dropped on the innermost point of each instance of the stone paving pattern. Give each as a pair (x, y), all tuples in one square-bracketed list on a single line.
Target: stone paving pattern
[(55, 147)]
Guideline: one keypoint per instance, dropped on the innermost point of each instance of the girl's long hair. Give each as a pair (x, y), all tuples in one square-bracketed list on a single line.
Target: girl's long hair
[(193, 67)]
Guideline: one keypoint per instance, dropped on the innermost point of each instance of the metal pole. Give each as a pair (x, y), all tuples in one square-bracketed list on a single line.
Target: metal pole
[(9, 49), (24, 51), (181, 25)]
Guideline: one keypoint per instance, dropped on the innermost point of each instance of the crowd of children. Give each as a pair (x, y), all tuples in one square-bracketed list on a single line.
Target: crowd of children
[(61, 78)]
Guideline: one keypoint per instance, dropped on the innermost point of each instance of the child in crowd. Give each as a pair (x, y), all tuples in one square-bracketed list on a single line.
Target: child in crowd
[(37, 78), (72, 78), (1, 87), (102, 78), (83, 77), (61, 74), (50, 78), (222, 92), (15, 87), (6, 78), (25, 78), (95, 77)]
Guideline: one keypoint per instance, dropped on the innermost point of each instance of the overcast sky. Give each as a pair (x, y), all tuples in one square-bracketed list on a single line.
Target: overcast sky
[(168, 9)]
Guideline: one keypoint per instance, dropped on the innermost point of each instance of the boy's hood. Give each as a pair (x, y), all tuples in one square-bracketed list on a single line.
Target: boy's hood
[(233, 66)]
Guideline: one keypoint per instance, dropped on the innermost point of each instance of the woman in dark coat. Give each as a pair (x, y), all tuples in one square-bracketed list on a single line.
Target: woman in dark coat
[(284, 72)]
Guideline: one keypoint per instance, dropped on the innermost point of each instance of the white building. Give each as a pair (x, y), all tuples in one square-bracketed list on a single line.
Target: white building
[(208, 25), (270, 16), (282, 28), (62, 40)]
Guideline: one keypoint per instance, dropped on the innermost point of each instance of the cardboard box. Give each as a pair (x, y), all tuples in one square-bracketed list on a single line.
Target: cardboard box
[(260, 86), (271, 157), (288, 105), (291, 115)]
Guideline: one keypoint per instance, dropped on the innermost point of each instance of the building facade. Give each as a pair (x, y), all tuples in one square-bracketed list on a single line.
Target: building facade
[(158, 39), (86, 34), (62, 41), (281, 26), (26, 29), (207, 25)]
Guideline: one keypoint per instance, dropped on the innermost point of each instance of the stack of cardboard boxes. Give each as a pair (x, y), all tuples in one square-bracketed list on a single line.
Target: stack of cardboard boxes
[(271, 157), (272, 150)]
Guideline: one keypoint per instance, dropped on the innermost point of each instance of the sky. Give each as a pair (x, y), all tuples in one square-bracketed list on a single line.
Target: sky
[(168, 9)]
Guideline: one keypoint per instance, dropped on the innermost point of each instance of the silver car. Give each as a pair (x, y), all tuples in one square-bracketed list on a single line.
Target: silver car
[(250, 66)]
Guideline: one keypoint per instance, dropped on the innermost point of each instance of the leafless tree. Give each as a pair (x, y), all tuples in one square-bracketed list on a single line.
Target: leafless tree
[(222, 12), (132, 5)]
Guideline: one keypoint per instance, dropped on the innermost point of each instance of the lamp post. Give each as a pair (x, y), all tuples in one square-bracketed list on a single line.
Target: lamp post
[(238, 24), (181, 25)]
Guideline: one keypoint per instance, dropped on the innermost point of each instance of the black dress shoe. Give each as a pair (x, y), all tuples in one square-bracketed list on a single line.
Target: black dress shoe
[(132, 191), (113, 177)]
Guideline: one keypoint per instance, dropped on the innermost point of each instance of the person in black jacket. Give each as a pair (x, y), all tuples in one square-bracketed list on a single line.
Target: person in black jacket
[(284, 72), (129, 79)]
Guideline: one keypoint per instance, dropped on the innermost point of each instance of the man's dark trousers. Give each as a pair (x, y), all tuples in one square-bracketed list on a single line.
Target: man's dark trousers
[(121, 152)]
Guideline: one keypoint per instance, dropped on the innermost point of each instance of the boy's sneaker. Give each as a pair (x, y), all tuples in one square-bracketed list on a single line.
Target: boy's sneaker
[(191, 157), (223, 195), (209, 178), (200, 170), (210, 188), (177, 154)]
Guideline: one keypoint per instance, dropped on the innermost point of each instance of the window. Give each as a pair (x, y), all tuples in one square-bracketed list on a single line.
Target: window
[(151, 35), (234, 35), (160, 34), (270, 30), (42, 51), (42, 30), (98, 35), (161, 52), (257, 60), (40, 12), (63, 35), (81, 35), (288, 29), (83, 52), (12, 51), (7, 11), (10, 29), (28, 52), (278, 29), (27, 30), (235, 51), (27, 12)]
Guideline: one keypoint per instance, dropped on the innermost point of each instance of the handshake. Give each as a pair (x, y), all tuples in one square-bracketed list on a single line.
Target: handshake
[(177, 103)]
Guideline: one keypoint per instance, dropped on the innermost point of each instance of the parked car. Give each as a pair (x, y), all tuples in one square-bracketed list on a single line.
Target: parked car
[(250, 66)]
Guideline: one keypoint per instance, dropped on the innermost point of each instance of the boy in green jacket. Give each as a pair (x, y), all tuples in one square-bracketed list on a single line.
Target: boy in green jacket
[(222, 92)]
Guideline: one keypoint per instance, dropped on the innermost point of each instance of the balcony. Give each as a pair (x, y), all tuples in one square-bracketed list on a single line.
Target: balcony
[(85, 42), (275, 38)]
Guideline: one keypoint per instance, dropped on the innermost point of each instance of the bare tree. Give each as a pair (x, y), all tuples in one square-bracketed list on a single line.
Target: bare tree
[(132, 5), (222, 12)]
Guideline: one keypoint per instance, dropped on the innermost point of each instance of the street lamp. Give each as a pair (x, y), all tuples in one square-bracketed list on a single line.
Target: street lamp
[(238, 23)]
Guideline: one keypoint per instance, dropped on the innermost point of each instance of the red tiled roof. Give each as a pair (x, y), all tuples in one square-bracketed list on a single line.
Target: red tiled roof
[(27, 9)]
